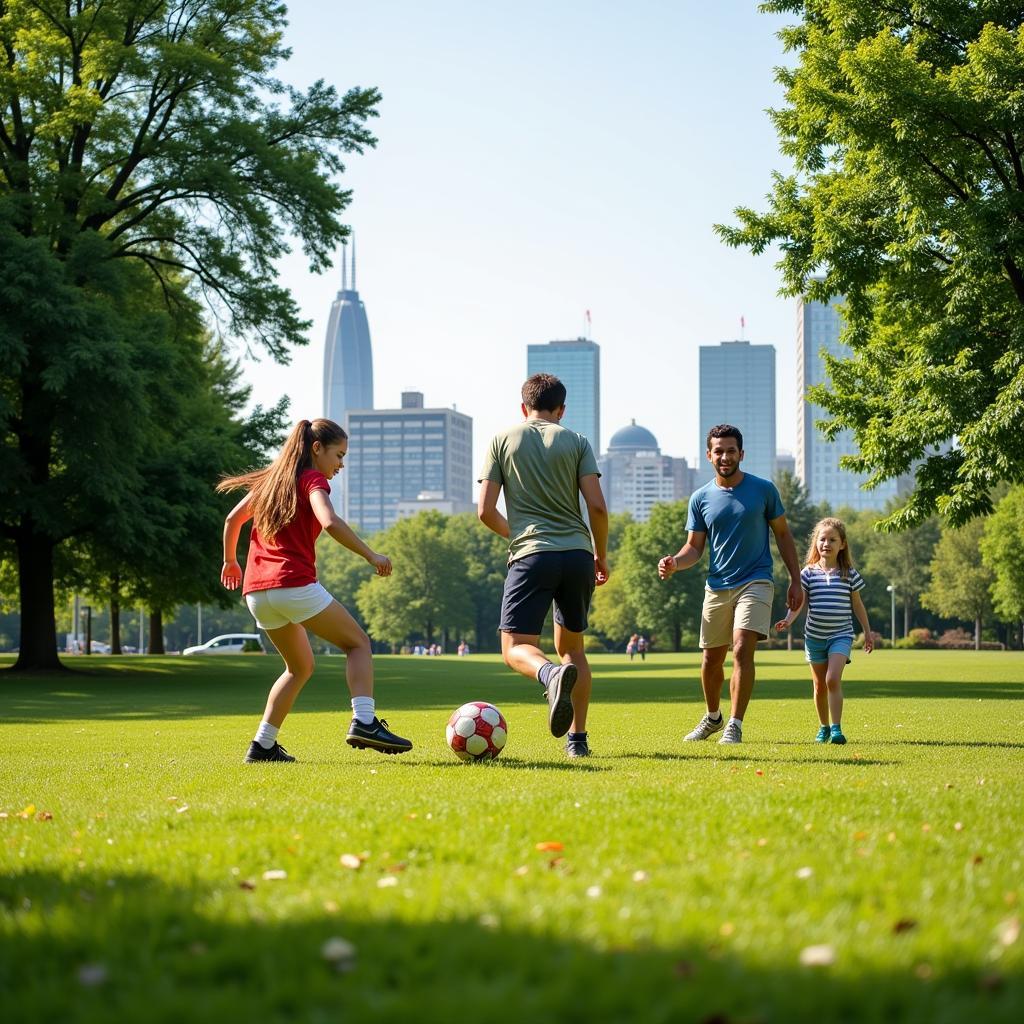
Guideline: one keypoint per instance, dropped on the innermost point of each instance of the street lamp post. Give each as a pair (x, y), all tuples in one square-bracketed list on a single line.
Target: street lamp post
[(892, 593)]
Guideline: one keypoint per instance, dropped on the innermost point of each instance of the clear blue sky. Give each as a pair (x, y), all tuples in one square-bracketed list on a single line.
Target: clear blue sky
[(536, 160)]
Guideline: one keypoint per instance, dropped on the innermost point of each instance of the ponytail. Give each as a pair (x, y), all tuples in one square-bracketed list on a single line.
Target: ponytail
[(273, 490)]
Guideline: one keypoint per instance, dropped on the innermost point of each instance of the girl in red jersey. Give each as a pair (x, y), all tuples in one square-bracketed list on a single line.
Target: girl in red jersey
[(288, 504)]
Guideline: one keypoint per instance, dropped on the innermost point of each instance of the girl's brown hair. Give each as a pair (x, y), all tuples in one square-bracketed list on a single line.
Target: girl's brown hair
[(274, 494), (843, 559)]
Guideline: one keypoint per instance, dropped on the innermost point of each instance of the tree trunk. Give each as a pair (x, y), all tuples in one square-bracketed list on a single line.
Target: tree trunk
[(444, 640), (906, 618), (115, 614), (115, 626), (156, 631), (37, 648), (977, 633)]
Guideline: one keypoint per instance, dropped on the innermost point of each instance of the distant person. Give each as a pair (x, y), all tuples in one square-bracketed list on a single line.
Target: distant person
[(832, 588), (543, 468), (735, 512), (289, 505), (641, 647), (631, 646)]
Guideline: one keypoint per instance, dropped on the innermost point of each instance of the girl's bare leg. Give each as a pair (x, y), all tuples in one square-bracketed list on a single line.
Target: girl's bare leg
[(819, 671), (834, 682), (293, 645), (336, 626)]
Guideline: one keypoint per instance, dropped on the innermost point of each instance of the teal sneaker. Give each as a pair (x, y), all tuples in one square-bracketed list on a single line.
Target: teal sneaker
[(824, 735), (837, 735)]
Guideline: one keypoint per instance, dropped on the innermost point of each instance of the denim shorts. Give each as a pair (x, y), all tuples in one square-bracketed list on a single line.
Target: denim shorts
[(818, 651), (275, 608)]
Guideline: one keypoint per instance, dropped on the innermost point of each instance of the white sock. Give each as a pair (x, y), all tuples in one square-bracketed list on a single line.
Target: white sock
[(736, 721), (715, 715), (266, 735), (363, 708)]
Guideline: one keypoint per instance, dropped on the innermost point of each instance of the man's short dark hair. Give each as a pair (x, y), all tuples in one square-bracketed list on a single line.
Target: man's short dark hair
[(725, 430), (544, 392)]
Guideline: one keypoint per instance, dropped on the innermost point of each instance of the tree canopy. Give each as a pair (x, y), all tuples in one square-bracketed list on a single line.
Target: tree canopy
[(149, 160), (905, 127)]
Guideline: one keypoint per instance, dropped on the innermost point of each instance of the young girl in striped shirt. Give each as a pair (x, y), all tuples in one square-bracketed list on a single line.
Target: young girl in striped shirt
[(831, 589)]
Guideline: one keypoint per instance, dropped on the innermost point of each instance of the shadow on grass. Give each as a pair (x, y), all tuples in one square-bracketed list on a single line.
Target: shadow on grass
[(132, 948), (753, 755), (170, 688), (517, 764)]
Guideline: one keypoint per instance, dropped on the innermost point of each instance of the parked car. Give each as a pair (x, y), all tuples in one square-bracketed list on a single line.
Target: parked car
[(228, 643)]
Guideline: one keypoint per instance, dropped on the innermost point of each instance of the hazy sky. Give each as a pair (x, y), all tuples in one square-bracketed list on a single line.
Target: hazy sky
[(537, 160)]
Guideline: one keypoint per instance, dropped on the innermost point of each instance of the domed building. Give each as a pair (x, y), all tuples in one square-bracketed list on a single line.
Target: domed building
[(636, 476)]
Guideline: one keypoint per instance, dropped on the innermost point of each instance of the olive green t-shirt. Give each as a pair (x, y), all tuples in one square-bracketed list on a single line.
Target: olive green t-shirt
[(539, 465)]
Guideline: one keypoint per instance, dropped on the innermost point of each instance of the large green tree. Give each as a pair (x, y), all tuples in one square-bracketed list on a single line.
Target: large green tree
[(665, 608), (961, 583), (905, 127), (486, 558), (138, 137), (1002, 545), (427, 593)]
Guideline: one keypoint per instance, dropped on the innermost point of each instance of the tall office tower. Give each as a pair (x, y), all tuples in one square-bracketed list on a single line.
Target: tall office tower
[(737, 386), (397, 455), (635, 476), (785, 462), (577, 364), (817, 460)]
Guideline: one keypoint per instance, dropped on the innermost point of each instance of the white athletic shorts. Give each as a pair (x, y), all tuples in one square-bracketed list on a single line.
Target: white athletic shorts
[(275, 608)]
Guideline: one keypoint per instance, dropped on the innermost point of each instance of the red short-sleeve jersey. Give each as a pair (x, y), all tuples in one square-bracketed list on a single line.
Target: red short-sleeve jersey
[(289, 559)]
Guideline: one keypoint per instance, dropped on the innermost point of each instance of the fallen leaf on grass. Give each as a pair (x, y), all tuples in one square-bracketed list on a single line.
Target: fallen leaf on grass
[(351, 861), (959, 826), (727, 929), (762, 841), (247, 885), (925, 827), (640, 876), (44, 816), (91, 975), (818, 956), (923, 971), (759, 772), (274, 875), (387, 882), (977, 858), (904, 924), (990, 982), (594, 892), (28, 811), (182, 809), (805, 872), (1008, 931), (549, 846), (521, 870), (340, 954)]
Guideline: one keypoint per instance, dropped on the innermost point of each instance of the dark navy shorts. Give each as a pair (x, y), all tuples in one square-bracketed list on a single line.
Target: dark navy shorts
[(535, 581)]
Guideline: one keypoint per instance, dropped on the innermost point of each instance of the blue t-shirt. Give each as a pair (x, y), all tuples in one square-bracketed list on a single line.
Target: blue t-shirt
[(736, 522)]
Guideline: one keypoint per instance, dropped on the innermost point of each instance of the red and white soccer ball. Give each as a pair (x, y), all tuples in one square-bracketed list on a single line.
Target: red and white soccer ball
[(477, 731)]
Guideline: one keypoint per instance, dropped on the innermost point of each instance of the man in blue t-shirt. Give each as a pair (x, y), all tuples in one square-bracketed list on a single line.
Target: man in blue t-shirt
[(734, 513)]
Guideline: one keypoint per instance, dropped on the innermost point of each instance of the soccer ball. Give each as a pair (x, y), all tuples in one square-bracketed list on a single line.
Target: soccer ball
[(476, 731)]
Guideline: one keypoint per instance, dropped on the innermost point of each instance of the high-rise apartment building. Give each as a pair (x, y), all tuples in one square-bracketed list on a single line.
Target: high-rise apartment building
[(577, 364), (817, 459), (397, 455), (635, 476), (737, 386), (348, 359)]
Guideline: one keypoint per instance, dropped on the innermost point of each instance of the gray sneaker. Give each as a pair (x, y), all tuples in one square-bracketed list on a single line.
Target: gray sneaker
[(733, 734), (707, 727)]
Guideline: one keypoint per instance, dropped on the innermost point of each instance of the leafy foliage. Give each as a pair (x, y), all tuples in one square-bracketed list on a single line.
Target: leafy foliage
[(904, 123), (1002, 545)]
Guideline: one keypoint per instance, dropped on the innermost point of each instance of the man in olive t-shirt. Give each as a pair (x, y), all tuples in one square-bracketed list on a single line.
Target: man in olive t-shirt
[(543, 468)]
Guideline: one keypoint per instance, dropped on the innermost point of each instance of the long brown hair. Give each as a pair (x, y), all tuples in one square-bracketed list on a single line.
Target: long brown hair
[(844, 559), (273, 490)]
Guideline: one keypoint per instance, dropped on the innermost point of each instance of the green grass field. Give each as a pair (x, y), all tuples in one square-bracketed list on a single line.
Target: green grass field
[(688, 883)]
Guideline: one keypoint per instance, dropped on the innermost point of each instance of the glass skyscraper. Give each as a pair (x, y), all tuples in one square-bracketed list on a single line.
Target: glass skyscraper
[(817, 459), (397, 455), (348, 359), (737, 386), (577, 364)]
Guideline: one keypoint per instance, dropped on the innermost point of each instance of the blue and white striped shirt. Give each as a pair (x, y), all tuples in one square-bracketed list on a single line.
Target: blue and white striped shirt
[(829, 601)]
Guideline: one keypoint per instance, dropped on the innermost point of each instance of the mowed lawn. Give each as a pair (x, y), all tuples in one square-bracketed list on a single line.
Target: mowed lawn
[(149, 875)]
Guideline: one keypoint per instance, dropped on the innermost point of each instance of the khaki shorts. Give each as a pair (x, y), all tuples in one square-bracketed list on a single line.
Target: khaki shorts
[(745, 607)]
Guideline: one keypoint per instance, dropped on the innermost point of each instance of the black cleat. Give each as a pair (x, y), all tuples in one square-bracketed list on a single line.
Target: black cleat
[(577, 748), (260, 753), (560, 684), (376, 736)]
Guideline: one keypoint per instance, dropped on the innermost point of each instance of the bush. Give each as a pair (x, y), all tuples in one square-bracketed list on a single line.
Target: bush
[(960, 639), (252, 647), (917, 639), (880, 641)]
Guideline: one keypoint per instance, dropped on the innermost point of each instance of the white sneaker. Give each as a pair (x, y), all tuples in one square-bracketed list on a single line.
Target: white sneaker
[(707, 727), (733, 734)]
